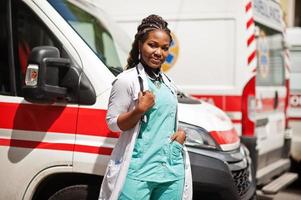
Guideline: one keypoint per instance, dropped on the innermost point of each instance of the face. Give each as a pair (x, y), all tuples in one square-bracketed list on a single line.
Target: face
[(155, 48)]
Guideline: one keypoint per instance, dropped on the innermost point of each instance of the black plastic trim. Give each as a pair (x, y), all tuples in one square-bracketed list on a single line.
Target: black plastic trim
[(212, 177)]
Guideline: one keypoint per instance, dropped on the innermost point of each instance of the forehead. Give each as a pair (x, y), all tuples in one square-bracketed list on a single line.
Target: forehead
[(158, 35)]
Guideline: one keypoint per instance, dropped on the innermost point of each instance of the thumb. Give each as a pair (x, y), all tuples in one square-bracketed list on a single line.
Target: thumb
[(140, 95)]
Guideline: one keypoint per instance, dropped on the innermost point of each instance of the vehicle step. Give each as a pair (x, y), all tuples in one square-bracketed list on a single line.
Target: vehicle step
[(261, 196), (265, 174), (280, 183)]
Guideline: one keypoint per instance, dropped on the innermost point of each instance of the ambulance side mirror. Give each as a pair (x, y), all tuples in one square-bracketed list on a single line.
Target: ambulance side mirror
[(50, 78)]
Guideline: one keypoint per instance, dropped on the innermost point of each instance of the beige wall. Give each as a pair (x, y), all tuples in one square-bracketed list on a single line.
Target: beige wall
[(288, 7)]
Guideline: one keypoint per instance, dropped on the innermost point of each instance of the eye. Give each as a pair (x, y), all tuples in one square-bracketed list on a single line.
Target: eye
[(165, 48), (152, 45)]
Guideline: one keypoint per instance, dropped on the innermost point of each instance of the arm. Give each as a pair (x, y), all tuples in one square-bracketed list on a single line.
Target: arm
[(129, 119), (119, 117)]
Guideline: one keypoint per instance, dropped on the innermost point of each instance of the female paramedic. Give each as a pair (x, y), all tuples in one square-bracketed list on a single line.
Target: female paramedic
[(149, 160)]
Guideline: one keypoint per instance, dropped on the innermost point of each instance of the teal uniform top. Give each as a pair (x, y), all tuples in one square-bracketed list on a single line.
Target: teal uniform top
[(155, 157)]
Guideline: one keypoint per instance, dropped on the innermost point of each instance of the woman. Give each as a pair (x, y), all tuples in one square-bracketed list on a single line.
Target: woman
[(148, 161)]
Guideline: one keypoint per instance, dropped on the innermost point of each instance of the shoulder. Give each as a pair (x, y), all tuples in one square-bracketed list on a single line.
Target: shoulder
[(126, 78), (129, 73)]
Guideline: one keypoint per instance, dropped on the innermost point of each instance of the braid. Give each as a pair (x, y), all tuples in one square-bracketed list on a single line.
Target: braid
[(148, 24)]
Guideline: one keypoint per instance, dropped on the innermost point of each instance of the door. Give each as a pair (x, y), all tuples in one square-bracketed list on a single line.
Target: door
[(270, 95), (33, 136)]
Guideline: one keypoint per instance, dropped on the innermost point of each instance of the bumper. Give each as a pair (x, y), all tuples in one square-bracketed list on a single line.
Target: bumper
[(221, 175)]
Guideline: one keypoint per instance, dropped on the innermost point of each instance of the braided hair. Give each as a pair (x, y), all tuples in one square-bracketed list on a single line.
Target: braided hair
[(148, 24)]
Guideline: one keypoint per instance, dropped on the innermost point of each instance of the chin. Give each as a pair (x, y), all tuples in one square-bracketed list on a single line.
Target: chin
[(155, 66)]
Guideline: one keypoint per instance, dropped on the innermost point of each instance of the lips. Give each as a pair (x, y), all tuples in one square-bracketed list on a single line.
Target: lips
[(156, 61)]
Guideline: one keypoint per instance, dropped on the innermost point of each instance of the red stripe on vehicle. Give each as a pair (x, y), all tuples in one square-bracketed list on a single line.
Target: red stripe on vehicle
[(93, 149), (294, 118), (251, 39), (236, 121), (250, 22), (55, 146), (60, 119), (36, 144), (267, 104), (226, 103), (38, 117), (93, 122), (225, 137), (251, 57), (248, 6)]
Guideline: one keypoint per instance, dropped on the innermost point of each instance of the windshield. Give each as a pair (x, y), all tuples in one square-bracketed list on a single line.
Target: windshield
[(295, 68), (106, 40), (270, 62)]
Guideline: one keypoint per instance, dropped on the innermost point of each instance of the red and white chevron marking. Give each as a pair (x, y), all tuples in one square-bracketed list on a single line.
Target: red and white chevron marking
[(287, 62), (250, 26)]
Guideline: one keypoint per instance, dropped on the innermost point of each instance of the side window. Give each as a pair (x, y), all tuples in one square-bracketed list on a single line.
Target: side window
[(4, 64), (29, 32)]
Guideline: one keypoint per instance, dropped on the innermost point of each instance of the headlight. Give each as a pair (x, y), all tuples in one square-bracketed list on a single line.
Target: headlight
[(197, 136)]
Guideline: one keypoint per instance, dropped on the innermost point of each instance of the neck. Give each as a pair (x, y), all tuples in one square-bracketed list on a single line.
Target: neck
[(152, 72)]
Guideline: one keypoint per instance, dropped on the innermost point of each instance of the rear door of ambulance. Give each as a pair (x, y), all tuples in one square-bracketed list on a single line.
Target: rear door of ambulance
[(270, 88), (33, 136), (294, 113)]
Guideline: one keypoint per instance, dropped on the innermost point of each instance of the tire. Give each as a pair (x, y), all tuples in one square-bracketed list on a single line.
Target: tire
[(76, 192)]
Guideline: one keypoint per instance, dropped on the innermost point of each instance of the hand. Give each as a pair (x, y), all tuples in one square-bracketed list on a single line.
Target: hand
[(146, 100), (179, 136)]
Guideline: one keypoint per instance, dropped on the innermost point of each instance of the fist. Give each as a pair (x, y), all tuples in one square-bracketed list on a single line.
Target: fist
[(146, 100)]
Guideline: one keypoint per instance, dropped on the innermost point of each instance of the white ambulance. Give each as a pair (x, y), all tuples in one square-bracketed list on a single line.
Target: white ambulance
[(232, 54), (58, 60), (294, 112)]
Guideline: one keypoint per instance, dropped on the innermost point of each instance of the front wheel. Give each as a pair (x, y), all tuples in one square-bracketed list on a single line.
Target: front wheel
[(76, 192)]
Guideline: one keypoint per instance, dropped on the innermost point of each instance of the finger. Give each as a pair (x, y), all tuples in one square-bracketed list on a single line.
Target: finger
[(180, 130), (148, 93), (173, 137)]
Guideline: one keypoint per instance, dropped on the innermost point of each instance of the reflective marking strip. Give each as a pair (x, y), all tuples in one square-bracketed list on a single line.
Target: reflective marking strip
[(58, 119), (294, 118), (37, 117), (251, 57), (250, 26), (229, 103), (248, 6), (251, 39), (55, 146), (51, 137), (250, 22)]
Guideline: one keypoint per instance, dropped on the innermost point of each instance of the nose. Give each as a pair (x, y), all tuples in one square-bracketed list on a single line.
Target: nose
[(158, 52)]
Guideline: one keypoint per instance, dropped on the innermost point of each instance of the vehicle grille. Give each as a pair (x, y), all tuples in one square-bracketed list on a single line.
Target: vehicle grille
[(241, 179)]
